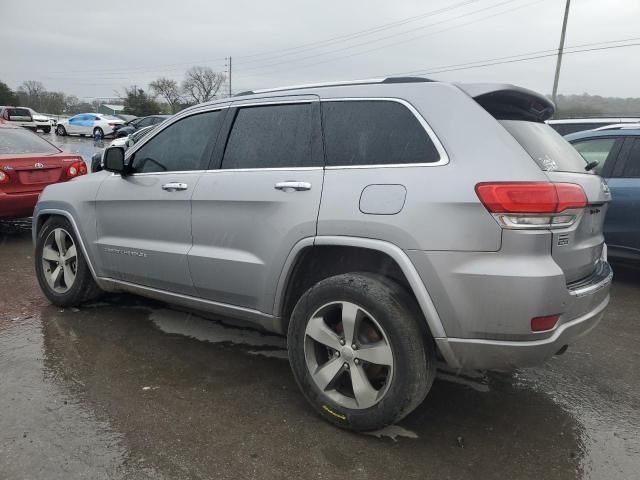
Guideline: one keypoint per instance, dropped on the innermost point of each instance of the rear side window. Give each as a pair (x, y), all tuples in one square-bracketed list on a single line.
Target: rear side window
[(17, 141), (272, 136), (632, 163), (549, 150), (596, 150), (179, 147), (374, 132), (17, 114)]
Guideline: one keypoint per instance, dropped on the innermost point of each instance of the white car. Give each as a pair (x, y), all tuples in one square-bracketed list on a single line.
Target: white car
[(42, 121), (88, 124)]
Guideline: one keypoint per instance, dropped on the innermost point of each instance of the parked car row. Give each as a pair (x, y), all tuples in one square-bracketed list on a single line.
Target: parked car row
[(120, 141)]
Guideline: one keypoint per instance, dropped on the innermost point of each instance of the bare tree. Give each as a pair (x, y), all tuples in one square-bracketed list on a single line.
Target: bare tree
[(202, 84), (169, 90), (30, 94)]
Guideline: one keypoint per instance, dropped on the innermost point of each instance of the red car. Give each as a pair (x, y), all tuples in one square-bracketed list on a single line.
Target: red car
[(28, 163)]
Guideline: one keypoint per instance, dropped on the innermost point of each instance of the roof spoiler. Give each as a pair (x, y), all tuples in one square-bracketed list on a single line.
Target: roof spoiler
[(508, 102)]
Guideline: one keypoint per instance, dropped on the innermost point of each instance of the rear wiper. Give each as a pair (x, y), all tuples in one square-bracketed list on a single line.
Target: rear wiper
[(591, 165)]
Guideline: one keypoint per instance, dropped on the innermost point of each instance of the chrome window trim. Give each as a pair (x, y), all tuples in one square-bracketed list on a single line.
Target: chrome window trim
[(259, 102), (266, 169), (444, 157)]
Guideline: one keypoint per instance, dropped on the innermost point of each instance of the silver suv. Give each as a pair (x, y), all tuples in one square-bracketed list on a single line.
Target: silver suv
[(381, 225)]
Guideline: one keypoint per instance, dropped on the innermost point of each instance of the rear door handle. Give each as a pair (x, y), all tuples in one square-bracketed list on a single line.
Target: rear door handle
[(174, 186), (292, 186)]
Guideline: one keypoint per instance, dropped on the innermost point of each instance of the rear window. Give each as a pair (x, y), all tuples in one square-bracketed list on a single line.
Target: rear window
[(18, 141), (374, 132), (550, 151), (20, 114)]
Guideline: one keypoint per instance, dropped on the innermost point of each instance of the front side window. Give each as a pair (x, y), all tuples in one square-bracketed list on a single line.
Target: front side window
[(179, 147), (374, 132), (272, 136), (596, 150)]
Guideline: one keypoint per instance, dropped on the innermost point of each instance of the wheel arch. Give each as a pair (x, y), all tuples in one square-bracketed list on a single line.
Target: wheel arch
[(355, 254), (41, 216)]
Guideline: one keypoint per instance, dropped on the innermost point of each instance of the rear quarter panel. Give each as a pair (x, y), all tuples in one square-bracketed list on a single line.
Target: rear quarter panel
[(442, 210)]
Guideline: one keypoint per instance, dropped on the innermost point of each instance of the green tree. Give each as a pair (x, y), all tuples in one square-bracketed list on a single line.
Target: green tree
[(7, 96), (137, 102)]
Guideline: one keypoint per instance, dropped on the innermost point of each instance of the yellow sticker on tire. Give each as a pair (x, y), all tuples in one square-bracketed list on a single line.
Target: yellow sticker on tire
[(331, 412)]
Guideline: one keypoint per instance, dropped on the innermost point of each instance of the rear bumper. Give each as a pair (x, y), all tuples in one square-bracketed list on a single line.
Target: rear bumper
[(482, 354), (17, 205)]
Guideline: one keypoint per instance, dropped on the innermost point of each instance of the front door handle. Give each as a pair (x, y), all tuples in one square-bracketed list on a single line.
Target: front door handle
[(174, 186), (292, 186)]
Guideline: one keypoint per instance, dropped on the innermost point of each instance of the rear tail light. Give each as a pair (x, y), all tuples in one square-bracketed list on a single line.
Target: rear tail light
[(4, 178), (532, 204), (76, 169), (541, 324)]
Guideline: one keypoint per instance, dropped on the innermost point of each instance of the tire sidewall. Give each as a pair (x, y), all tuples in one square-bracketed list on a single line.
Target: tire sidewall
[(410, 352), (60, 130)]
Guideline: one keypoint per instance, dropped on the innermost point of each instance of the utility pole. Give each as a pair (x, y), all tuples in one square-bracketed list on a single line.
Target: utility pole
[(228, 65), (554, 93)]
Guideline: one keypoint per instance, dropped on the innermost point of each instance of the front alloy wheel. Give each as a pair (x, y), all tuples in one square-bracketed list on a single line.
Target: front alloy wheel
[(59, 260)]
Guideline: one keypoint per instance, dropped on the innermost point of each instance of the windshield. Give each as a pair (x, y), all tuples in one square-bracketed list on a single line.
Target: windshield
[(549, 150), (19, 141)]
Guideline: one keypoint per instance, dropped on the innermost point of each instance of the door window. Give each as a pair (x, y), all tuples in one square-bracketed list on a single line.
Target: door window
[(272, 136), (179, 147), (596, 149), (374, 132), (632, 162)]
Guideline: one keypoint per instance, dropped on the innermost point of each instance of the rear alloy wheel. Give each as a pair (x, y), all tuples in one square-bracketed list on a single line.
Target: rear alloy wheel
[(61, 268), (98, 131), (358, 352), (61, 131)]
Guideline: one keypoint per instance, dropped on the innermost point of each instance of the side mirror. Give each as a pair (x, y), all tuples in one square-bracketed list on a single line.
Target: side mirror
[(114, 160)]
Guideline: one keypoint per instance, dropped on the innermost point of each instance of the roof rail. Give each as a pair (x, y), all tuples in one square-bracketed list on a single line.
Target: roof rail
[(341, 83), (619, 126)]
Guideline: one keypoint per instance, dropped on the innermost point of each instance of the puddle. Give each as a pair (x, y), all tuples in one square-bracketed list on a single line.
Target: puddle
[(189, 325), (393, 432)]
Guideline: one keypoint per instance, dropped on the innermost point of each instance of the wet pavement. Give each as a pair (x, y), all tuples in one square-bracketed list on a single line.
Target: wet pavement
[(83, 146), (129, 388)]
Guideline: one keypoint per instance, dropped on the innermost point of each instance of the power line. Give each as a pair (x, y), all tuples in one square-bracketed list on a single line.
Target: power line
[(401, 41), (504, 2), (490, 63), (361, 33), (269, 54), (591, 44)]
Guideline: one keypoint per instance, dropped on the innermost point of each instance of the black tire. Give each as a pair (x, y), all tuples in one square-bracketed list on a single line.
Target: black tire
[(399, 316), (60, 130), (84, 287), (97, 131), (46, 129)]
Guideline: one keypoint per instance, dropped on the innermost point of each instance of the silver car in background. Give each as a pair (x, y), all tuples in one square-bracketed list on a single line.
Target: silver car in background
[(381, 225)]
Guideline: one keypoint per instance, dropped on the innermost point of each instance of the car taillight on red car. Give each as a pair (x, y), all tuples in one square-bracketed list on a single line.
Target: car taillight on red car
[(532, 204), (76, 169), (4, 178)]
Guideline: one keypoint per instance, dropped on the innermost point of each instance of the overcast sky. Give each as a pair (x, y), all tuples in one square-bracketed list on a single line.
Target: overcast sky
[(93, 49)]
